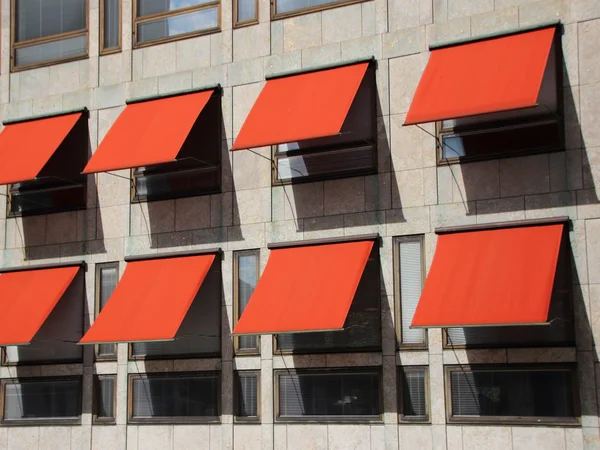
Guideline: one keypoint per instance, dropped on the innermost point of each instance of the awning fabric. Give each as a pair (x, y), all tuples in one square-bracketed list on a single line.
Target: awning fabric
[(482, 77), (491, 278), (150, 301), (26, 300), (299, 107), (149, 132), (306, 288), (26, 147)]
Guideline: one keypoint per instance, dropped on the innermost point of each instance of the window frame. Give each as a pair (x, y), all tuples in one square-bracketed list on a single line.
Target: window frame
[(400, 382), (396, 241), (119, 47), (237, 396), (300, 12), (97, 289), (183, 420), (377, 370), (513, 420), (45, 421), (163, 15), (244, 23), (236, 300), (14, 45), (104, 420)]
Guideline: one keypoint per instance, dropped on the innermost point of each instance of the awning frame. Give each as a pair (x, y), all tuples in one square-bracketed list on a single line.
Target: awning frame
[(83, 111), (152, 256), (336, 240), (503, 225), (81, 263), (317, 68), (217, 88)]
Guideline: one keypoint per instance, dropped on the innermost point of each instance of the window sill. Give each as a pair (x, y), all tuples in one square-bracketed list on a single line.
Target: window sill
[(515, 421), (331, 420), (40, 422), (175, 421)]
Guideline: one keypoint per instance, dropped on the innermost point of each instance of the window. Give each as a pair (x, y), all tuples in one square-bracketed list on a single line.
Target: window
[(409, 278), (56, 340), (353, 152), (110, 28), (245, 12), (333, 394), (512, 133), (539, 394), (166, 20), (105, 398), (247, 395), (197, 170), (107, 277), (59, 186), (48, 31), (287, 8), (176, 397), (414, 398), (246, 274), (559, 332), (41, 400), (200, 332), (362, 330)]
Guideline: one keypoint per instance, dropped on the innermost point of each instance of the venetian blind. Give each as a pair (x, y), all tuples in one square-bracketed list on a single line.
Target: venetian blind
[(411, 284)]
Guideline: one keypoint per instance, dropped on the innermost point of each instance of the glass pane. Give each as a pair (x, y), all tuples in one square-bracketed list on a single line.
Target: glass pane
[(247, 400), (50, 51), (204, 19), (248, 277), (414, 397), (175, 396), (246, 10), (329, 394), (111, 24), (109, 277), (42, 18), (177, 183), (106, 398), (511, 393), (411, 283), (148, 7), (285, 6), (45, 399)]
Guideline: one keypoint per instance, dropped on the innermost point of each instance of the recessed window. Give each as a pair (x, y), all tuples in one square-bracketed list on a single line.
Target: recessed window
[(512, 394), (245, 12), (414, 398), (107, 277), (48, 31), (246, 273), (177, 397), (247, 395), (350, 153), (105, 388), (362, 330), (322, 395), (164, 20), (286, 8), (41, 400), (110, 28)]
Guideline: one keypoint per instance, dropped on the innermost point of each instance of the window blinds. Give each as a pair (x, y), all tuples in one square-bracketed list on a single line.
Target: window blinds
[(414, 397), (411, 284), (247, 395)]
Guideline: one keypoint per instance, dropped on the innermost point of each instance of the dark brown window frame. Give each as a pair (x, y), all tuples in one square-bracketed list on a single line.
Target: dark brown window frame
[(440, 133), (149, 18), (328, 419), (244, 23), (413, 419), (173, 420), (56, 37), (104, 420), (236, 397), (236, 300), (45, 421), (312, 9), (397, 289), (513, 420), (97, 286), (119, 47)]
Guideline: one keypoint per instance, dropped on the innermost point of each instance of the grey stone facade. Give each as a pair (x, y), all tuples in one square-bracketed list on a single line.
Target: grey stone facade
[(409, 195)]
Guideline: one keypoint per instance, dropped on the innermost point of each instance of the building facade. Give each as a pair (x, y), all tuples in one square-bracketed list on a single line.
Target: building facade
[(160, 160)]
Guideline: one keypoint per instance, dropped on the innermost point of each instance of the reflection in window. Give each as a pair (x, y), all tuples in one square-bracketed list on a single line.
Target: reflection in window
[(246, 12), (291, 6), (111, 25), (247, 271), (107, 279)]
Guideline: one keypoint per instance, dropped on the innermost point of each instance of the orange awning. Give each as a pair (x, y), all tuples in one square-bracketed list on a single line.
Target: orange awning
[(26, 147), (492, 277), (482, 77), (27, 297), (300, 107), (150, 301), (148, 132), (306, 288)]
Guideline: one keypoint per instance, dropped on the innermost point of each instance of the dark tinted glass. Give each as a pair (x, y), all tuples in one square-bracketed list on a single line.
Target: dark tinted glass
[(111, 24), (247, 271), (414, 396), (105, 397), (42, 18), (247, 394), (204, 19)]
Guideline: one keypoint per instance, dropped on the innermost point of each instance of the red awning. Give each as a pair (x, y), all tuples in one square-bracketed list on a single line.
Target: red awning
[(306, 288), (150, 301), (26, 147), (300, 107), (491, 278), (482, 77), (149, 132), (27, 298)]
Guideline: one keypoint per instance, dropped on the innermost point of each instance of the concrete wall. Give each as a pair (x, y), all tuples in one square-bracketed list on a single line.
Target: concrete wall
[(409, 195)]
